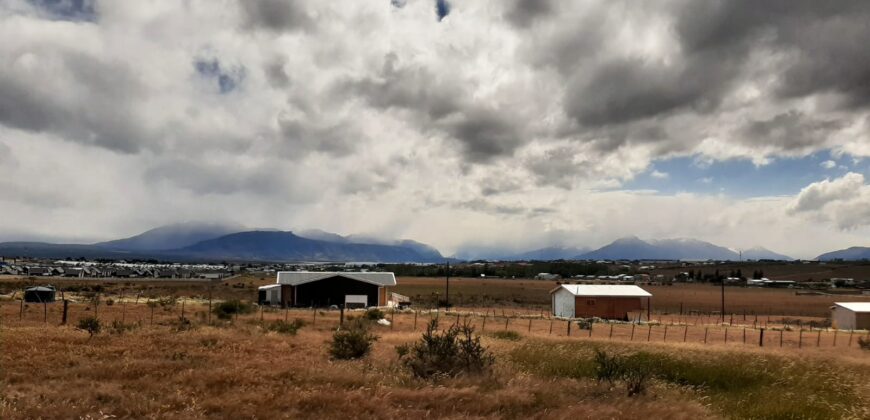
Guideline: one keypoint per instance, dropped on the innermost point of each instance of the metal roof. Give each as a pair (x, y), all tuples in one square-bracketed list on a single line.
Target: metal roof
[(294, 278), (855, 306), (597, 290)]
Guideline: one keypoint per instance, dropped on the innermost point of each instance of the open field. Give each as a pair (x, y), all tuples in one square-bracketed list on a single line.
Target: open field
[(238, 368), (692, 297)]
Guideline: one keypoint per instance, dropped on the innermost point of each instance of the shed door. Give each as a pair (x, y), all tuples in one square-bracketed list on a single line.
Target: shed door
[(356, 300)]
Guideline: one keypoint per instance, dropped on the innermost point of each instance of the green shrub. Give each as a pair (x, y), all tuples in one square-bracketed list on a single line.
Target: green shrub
[(230, 308), (282, 327), (352, 342), (449, 353), (91, 325), (374, 314), (506, 335)]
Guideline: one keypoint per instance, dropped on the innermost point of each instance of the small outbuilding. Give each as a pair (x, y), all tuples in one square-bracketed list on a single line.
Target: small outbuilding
[(851, 315), (320, 288), (39, 294), (597, 300)]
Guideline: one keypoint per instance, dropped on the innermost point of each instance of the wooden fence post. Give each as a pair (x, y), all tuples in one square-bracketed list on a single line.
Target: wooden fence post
[(152, 314), (850, 337), (726, 335), (685, 333), (21, 311), (65, 309), (591, 326), (314, 321), (666, 334), (632, 332), (835, 338), (761, 338), (705, 334), (801, 338), (569, 328), (506, 321), (530, 325), (415, 320), (819, 339), (610, 336), (551, 327), (744, 335), (649, 333), (780, 337), (44, 312), (393, 319)]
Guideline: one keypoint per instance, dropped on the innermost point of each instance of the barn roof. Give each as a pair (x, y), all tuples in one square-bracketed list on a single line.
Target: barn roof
[(599, 290), (294, 278), (855, 306)]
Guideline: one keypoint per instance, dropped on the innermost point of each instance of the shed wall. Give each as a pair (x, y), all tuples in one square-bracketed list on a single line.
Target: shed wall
[(843, 318), (607, 307), (563, 303)]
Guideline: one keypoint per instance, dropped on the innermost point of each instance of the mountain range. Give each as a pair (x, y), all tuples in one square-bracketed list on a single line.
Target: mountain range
[(215, 242), (634, 248), (854, 253), (196, 241)]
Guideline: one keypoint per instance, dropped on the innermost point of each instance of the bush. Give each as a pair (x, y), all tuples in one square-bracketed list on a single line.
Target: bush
[(110, 302), (282, 327), (506, 335), (230, 308), (374, 314), (91, 325), (352, 342), (182, 324), (449, 353), (634, 370), (864, 344)]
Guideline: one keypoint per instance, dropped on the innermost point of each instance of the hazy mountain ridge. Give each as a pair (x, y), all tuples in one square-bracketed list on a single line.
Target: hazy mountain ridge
[(855, 253), (634, 248)]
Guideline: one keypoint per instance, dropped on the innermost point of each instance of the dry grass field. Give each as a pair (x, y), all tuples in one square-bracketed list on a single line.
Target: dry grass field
[(241, 369), (146, 364), (692, 297)]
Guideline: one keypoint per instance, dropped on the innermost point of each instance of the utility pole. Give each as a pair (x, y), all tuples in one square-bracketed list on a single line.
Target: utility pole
[(447, 288), (723, 300)]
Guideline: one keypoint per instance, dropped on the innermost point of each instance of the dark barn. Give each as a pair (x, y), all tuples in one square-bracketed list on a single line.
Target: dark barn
[(39, 294), (351, 289)]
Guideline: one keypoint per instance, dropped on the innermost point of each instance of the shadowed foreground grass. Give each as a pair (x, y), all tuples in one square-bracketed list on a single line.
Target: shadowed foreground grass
[(249, 369), (735, 384)]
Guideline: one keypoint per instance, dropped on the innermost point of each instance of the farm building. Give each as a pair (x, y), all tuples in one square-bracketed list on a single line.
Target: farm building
[(851, 315), (39, 294), (597, 300), (307, 288)]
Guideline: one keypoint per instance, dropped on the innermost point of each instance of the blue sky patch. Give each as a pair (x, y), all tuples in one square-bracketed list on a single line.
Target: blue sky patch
[(442, 9), (72, 10), (741, 178), (227, 79)]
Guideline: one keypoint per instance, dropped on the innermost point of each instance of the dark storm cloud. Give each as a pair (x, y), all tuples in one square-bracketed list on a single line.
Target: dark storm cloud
[(276, 15), (484, 133), (630, 89), (827, 39), (95, 108), (522, 13), (790, 130), (824, 40)]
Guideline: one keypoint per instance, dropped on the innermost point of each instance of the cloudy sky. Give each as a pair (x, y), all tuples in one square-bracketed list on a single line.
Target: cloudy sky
[(508, 123)]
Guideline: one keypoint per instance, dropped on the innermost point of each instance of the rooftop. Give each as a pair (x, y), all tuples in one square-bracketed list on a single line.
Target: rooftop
[(855, 306), (604, 290), (294, 278)]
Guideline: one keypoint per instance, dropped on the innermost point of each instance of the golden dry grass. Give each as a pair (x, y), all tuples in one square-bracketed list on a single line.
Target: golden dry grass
[(241, 369)]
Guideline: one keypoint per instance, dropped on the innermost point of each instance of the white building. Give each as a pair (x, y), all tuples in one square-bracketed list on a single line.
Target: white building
[(851, 315), (597, 300)]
